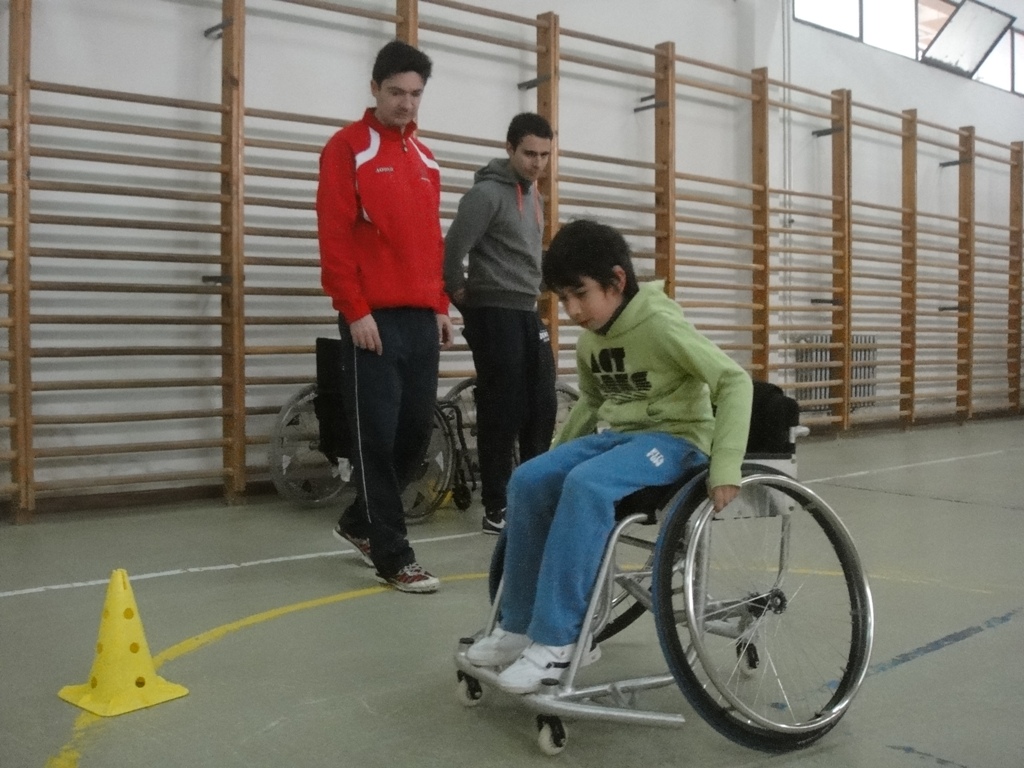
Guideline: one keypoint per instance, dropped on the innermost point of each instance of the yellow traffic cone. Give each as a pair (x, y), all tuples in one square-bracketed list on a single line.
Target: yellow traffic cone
[(123, 676)]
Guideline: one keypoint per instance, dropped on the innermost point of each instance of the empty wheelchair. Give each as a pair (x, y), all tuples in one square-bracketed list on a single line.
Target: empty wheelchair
[(309, 444), (762, 612), (309, 448)]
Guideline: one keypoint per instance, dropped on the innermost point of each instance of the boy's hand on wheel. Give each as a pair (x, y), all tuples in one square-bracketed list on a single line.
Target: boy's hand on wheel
[(721, 495)]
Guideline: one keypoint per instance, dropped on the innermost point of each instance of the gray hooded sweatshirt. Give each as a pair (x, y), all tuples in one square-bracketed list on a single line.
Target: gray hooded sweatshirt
[(500, 224)]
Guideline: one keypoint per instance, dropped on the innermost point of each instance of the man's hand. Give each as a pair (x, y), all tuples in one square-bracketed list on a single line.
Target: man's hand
[(365, 335), (721, 495), (445, 331)]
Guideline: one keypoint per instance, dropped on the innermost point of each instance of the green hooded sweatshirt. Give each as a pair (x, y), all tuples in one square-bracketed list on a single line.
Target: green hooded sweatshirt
[(651, 371)]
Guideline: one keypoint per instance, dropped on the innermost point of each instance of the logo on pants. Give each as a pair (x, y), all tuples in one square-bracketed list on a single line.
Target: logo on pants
[(656, 457)]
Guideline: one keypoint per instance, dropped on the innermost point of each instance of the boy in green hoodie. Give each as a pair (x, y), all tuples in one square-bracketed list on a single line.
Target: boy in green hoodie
[(669, 399)]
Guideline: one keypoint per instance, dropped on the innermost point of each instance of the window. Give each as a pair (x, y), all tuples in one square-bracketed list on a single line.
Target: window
[(889, 24), (967, 37), (1018, 61), (838, 15), (931, 15), (997, 69)]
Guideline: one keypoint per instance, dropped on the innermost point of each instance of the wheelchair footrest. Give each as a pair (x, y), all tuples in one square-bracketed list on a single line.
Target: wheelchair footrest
[(582, 703)]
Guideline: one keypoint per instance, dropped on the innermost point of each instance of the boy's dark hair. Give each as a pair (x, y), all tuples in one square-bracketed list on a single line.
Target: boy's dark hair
[(528, 124), (585, 248), (397, 57)]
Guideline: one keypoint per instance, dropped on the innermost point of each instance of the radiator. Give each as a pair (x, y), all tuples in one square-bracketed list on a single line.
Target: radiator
[(862, 370)]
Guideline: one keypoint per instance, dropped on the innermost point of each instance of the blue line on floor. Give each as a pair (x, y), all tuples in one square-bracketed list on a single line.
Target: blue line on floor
[(926, 756), (942, 642), (923, 650)]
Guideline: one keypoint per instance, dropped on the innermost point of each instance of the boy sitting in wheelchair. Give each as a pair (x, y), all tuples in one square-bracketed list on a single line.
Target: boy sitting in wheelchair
[(667, 398)]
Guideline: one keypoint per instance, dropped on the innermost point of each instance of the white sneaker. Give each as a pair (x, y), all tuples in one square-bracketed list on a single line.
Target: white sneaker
[(497, 649), (539, 663)]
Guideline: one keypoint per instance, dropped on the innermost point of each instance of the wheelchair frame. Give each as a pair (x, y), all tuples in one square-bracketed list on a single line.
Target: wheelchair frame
[(722, 649)]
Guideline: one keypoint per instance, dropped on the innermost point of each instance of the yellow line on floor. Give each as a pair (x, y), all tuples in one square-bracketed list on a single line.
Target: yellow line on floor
[(83, 730)]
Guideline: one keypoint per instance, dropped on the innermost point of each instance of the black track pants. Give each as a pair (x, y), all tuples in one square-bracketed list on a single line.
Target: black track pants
[(515, 391), (389, 404)]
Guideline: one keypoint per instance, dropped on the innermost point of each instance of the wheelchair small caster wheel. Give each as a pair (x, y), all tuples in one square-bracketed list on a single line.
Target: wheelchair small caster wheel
[(462, 497), (469, 690), (748, 659), (551, 734)]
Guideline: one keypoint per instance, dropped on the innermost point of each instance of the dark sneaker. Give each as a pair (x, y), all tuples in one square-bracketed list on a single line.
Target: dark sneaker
[(412, 578), (362, 545), (494, 521)]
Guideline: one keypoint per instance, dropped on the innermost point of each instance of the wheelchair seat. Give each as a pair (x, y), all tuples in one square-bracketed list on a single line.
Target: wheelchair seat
[(650, 499)]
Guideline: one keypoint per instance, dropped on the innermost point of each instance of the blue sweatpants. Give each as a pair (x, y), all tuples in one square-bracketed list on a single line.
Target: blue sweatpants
[(561, 510)]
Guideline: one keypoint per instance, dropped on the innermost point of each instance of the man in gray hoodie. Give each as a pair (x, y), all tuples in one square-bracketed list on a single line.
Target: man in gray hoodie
[(500, 226)]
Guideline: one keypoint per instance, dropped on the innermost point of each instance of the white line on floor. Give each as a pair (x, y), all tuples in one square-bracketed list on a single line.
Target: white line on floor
[(223, 567), (903, 466)]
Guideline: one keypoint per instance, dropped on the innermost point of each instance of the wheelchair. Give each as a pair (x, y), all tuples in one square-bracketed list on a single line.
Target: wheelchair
[(463, 396), (309, 444), (762, 612)]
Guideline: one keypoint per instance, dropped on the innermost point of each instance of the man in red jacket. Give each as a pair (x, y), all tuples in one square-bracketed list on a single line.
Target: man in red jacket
[(381, 257)]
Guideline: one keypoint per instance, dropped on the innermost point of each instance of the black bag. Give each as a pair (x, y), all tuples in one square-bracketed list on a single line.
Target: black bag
[(329, 405), (772, 416)]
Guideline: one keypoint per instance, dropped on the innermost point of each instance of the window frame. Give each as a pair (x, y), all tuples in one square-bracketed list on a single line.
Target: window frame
[(995, 44), (1016, 33)]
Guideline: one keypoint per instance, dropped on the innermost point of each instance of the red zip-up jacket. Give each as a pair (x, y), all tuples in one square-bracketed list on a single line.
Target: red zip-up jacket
[(377, 210)]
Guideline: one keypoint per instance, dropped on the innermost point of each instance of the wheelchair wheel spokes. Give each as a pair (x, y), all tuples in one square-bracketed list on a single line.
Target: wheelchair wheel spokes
[(433, 477), (777, 615), (463, 396), (299, 471)]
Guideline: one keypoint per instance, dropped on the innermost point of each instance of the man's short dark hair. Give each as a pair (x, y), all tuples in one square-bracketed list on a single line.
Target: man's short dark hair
[(397, 57), (584, 248), (528, 124)]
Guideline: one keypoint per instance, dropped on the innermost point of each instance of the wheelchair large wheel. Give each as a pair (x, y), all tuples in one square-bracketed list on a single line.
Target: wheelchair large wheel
[(463, 395), (433, 478), (763, 612), (299, 471)]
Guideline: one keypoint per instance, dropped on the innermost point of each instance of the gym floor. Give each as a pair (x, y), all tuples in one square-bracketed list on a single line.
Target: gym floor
[(293, 655)]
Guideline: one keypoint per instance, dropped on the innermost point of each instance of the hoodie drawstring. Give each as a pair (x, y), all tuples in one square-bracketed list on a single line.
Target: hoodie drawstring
[(536, 203)]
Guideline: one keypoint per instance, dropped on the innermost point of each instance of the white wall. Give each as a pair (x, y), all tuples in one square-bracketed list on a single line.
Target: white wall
[(158, 47), (317, 63)]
